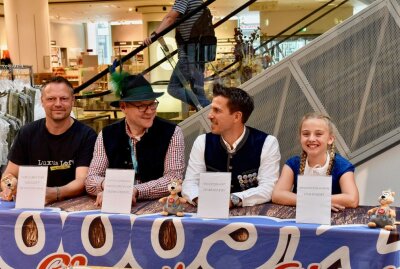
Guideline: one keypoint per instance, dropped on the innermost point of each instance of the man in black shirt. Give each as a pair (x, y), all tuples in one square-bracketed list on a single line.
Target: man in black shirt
[(58, 141)]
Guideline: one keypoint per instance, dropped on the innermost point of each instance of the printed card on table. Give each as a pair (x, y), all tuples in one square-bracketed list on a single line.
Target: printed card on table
[(118, 190), (314, 199), (31, 188), (214, 193)]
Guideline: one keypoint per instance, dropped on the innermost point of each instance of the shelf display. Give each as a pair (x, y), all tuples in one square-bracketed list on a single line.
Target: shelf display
[(135, 64), (22, 73), (55, 56), (122, 48)]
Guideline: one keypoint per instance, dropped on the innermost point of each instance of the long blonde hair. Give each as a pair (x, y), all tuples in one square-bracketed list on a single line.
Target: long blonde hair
[(303, 159)]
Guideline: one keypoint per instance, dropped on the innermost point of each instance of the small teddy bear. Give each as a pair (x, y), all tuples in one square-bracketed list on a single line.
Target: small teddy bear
[(383, 216), (8, 186), (173, 204)]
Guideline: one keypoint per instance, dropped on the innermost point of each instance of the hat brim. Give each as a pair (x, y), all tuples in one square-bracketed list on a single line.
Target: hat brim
[(137, 98)]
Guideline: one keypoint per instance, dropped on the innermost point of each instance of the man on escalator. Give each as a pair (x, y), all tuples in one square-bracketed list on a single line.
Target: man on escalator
[(188, 68)]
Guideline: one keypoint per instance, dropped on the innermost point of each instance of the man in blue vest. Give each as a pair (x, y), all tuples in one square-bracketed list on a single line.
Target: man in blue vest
[(153, 147), (251, 155)]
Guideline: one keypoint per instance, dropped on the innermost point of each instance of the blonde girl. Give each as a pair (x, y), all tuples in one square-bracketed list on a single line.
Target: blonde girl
[(318, 158)]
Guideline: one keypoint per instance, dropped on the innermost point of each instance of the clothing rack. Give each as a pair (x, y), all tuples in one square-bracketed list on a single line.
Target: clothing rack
[(18, 106), (14, 72)]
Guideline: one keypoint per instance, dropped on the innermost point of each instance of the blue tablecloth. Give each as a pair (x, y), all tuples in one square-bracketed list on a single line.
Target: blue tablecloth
[(51, 237)]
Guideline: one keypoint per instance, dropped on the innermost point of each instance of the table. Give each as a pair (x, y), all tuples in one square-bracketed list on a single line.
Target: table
[(263, 236)]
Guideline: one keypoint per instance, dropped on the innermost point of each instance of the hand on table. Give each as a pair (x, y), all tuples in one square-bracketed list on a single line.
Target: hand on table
[(51, 195), (134, 196), (337, 207), (6, 195), (99, 198)]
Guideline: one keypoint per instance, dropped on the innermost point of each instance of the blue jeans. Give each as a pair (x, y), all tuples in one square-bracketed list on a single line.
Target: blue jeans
[(193, 73)]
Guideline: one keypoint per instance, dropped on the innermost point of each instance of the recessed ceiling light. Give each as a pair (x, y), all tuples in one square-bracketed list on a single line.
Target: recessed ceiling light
[(126, 22)]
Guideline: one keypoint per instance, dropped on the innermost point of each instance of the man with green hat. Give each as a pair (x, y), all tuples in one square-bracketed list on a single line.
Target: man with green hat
[(153, 147)]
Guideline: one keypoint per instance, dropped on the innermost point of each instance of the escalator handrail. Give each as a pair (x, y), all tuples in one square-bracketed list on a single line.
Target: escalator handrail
[(218, 23), (143, 46), (216, 74), (308, 24), (294, 24)]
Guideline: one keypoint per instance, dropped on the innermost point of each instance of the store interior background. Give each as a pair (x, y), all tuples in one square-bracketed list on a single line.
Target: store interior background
[(86, 36), (102, 30)]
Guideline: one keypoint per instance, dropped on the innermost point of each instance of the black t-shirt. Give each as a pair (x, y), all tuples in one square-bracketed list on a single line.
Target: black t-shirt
[(35, 146)]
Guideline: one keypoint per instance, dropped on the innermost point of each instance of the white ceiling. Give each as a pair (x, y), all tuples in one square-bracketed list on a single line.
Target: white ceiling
[(78, 11)]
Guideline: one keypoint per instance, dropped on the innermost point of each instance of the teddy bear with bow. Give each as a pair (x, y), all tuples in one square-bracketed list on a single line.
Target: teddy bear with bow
[(173, 203), (383, 216), (8, 187)]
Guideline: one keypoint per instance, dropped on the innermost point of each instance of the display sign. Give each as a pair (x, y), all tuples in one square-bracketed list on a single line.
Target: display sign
[(314, 197), (214, 191), (31, 189), (118, 190)]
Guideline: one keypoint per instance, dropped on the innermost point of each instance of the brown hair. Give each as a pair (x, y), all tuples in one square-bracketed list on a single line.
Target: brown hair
[(238, 100), (327, 119), (58, 79)]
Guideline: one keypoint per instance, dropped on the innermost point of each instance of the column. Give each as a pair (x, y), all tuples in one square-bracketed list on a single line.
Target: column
[(28, 33)]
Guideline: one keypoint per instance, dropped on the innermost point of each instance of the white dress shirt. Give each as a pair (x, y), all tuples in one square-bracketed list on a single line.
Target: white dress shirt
[(268, 172)]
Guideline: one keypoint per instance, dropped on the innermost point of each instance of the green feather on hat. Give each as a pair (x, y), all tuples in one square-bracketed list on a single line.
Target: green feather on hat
[(131, 88), (116, 78)]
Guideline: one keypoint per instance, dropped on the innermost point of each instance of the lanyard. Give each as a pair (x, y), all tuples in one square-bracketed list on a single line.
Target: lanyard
[(133, 155)]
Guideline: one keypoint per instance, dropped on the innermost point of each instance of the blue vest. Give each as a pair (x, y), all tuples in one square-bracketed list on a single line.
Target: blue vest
[(151, 149), (243, 163)]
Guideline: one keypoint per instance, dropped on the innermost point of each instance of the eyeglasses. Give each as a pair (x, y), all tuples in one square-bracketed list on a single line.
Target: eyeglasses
[(143, 107)]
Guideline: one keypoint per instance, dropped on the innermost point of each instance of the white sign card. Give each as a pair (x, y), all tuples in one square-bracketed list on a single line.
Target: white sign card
[(314, 198), (118, 191), (31, 188), (214, 193)]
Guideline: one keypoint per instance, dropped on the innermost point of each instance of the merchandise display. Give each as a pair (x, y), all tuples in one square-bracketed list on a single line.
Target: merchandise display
[(383, 216), (18, 106), (173, 204), (262, 236), (289, 58), (8, 188)]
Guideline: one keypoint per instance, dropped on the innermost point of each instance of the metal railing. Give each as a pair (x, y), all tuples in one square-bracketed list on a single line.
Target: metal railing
[(141, 47)]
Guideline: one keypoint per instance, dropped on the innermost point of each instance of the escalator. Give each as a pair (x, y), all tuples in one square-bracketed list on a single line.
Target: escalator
[(231, 67), (338, 73), (352, 74)]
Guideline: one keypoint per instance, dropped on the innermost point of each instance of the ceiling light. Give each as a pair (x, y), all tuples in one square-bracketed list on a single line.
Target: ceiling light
[(130, 9), (127, 22)]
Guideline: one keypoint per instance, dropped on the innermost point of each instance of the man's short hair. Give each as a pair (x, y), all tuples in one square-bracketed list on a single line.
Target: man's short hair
[(238, 100), (59, 79)]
